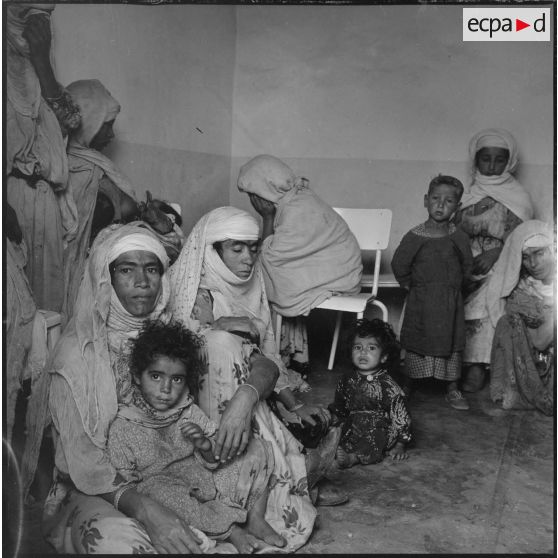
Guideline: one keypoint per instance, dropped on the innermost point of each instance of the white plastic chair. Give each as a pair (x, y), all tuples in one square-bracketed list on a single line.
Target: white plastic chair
[(371, 228)]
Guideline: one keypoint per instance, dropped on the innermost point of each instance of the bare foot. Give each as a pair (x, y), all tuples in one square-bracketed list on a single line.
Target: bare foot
[(243, 541), (260, 528), (345, 460)]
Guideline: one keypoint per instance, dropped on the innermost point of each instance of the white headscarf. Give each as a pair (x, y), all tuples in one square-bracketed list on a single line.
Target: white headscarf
[(503, 188), (199, 262), (269, 178), (507, 268)]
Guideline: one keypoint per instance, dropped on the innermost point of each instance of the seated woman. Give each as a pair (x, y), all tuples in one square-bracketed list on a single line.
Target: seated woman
[(495, 204), (218, 289), (125, 284), (521, 307), (163, 442), (92, 174), (308, 252)]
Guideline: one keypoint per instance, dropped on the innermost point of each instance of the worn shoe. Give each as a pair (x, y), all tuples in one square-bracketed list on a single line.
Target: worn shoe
[(457, 401), (330, 495)]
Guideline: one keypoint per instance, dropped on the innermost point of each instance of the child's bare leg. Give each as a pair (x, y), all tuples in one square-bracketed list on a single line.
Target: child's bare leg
[(243, 541), (259, 527)]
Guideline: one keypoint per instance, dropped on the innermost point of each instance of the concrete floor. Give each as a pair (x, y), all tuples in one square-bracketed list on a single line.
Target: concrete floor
[(477, 481)]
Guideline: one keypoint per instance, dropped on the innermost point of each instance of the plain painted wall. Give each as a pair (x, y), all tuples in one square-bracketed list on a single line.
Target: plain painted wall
[(370, 102), (171, 68)]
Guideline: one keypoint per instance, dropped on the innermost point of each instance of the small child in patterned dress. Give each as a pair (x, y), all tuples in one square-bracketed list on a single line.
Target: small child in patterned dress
[(432, 262), (369, 403)]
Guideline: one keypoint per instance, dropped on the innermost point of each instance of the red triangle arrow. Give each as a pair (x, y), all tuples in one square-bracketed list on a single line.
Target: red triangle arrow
[(519, 25)]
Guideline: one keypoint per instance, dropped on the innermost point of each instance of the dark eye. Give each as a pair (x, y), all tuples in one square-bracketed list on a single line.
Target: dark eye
[(153, 269), (154, 376), (124, 270), (357, 347), (178, 379)]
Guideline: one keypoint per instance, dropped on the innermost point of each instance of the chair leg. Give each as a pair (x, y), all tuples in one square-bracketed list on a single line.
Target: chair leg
[(382, 307), (334, 342)]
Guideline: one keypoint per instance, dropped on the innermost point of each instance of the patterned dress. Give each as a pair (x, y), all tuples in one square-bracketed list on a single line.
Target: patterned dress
[(147, 446), (487, 223), (523, 377), (374, 414)]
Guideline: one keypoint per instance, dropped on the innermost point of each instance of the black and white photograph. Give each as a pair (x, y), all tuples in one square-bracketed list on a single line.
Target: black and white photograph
[(279, 277)]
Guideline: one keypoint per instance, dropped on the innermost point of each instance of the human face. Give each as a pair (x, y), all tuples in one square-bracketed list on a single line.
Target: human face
[(441, 202), (240, 256), (163, 382), (136, 279), (492, 161), (367, 354), (539, 263), (103, 137)]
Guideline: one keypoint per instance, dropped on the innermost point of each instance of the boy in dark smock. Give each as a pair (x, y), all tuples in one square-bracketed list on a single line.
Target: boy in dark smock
[(431, 263)]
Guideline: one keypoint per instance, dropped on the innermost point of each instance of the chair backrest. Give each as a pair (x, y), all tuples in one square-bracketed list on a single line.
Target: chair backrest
[(371, 227)]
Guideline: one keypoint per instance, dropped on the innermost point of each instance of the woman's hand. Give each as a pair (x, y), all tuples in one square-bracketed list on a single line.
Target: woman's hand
[(168, 533), (483, 263), (240, 324), (264, 207), (193, 432), (308, 412), (235, 427)]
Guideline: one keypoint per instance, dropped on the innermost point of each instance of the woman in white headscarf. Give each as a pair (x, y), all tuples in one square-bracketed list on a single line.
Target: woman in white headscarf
[(494, 206), (218, 290), (91, 508), (521, 308), (91, 172), (308, 252), (39, 112)]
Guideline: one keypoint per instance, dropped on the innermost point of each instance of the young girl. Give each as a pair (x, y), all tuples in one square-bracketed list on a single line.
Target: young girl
[(494, 206), (431, 263), (369, 403), (162, 443)]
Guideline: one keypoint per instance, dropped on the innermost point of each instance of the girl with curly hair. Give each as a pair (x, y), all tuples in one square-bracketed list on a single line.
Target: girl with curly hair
[(163, 443)]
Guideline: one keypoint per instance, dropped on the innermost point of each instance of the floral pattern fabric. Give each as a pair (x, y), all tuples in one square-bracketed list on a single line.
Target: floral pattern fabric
[(289, 509), (208, 496), (522, 377)]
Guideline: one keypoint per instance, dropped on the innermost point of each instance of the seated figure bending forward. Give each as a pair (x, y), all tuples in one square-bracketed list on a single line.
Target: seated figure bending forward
[(308, 252), (217, 289), (521, 306)]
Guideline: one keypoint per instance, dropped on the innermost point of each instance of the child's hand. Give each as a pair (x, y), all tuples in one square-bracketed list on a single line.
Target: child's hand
[(398, 452), (195, 434)]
